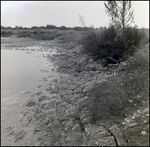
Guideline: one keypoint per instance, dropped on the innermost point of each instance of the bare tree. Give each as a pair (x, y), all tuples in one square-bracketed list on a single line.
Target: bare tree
[(82, 20)]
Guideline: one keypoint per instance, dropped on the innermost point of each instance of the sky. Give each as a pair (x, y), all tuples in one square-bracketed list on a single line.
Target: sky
[(65, 13)]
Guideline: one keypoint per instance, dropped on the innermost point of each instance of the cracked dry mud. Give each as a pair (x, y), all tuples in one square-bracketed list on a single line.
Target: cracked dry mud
[(55, 113)]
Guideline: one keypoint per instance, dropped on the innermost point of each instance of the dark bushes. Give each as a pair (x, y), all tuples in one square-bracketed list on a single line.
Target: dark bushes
[(5, 33), (122, 94), (107, 42), (45, 34), (22, 33)]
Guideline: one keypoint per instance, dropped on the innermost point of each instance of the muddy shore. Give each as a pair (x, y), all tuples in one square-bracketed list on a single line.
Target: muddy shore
[(56, 113)]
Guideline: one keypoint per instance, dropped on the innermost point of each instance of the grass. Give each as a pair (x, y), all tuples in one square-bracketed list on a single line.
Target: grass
[(45, 34), (124, 93), (64, 36), (69, 36)]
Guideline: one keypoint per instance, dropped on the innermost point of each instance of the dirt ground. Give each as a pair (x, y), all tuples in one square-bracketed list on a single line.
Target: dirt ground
[(55, 115)]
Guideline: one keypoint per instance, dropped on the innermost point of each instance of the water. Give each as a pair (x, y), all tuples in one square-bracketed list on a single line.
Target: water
[(20, 71), (24, 67)]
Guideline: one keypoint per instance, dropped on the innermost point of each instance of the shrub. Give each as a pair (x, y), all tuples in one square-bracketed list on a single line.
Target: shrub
[(69, 36), (138, 68), (112, 99), (93, 44), (45, 34), (106, 42), (22, 33), (101, 43), (6, 33)]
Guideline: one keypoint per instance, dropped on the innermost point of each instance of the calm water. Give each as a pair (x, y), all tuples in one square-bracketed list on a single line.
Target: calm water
[(21, 71)]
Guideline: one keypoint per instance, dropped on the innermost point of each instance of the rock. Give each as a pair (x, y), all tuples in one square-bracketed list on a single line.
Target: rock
[(82, 100), (31, 103), (85, 116), (76, 128), (124, 63), (130, 101), (88, 86), (49, 89), (20, 135), (66, 92), (91, 130), (91, 67), (147, 114), (97, 135), (143, 133), (71, 86), (121, 84), (55, 89), (55, 80), (110, 60), (127, 120), (42, 97), (38, 93), (117, 134), (73, 98), (136, 137), (78, 90), (39, 86)]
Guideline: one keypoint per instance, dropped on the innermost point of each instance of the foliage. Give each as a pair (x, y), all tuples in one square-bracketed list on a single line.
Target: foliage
[(124, 93), (51, 27), (82, 20), (106, 42), (122, 15), (22, 33), (6, 33), (120, 12), (45, 34)]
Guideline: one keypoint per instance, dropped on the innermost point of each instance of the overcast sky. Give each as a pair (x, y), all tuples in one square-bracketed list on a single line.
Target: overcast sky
[(64, 13)]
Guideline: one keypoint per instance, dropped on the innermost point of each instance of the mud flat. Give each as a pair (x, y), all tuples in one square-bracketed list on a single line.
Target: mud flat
[(56, 112)]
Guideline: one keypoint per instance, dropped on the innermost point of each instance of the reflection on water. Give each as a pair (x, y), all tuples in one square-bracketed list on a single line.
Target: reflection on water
[(20, 71)]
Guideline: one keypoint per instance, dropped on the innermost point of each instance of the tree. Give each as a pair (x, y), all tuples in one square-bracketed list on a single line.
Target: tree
[(82, 20), (121, 14)]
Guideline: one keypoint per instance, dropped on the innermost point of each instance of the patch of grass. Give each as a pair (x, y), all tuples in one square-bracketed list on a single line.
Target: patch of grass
[(69, 36), (45, 34), (23, 33), (64, 36), (124, 93), (138, 67)]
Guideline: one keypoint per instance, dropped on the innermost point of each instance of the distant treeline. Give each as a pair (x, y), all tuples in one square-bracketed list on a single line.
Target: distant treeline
[(49, 27)]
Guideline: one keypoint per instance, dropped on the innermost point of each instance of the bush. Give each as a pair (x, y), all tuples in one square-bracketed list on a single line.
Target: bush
[(138, 68), (69, 36), (22, 33), (102, 43), (93, 44), (112, 99), (106, 42), (6, 33), (45, 34)]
